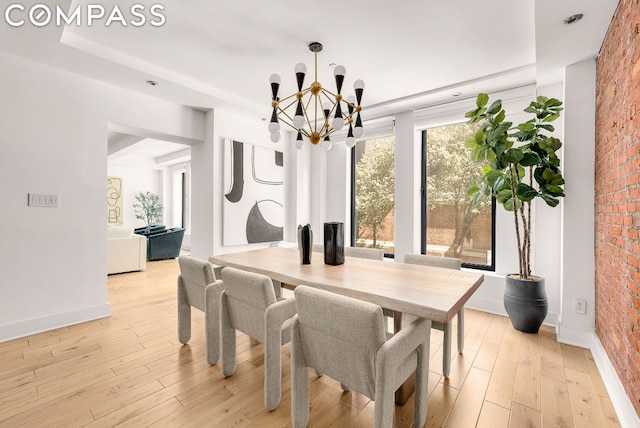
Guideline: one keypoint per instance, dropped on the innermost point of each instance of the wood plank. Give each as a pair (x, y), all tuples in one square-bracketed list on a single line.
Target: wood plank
[(524, 417), (503, 380), (585, 402), (527, 387), (466, 410), (556, 404), (493, 416)]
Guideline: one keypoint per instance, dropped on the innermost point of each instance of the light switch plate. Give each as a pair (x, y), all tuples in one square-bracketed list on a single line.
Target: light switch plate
[(42, 200)]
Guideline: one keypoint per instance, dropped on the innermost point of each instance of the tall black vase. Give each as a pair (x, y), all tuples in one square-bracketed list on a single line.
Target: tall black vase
[(334, 243), (526, 303), (305, 242)]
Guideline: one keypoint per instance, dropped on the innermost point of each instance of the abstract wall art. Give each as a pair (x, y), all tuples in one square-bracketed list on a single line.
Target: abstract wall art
[(114, 201), (253, 207)]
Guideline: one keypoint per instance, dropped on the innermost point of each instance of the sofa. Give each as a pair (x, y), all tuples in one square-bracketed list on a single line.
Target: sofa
[(165, 244), (126, 251)]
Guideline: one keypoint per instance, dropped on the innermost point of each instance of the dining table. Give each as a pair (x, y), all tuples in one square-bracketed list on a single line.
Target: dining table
[(434, 293)]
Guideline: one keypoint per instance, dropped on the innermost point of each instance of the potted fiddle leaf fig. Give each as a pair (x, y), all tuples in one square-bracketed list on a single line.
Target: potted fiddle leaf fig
[(520, 166)]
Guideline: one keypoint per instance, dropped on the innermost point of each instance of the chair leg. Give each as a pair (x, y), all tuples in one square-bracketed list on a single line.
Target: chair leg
[(228, 339), (446, 350), (184, 314), (212, 323), (422, 383), (272, 370), (461, 330), (299, 383)]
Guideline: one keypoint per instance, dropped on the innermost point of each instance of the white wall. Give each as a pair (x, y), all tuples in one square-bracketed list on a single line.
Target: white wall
[(54, 140), (134, 181), (578, 239)]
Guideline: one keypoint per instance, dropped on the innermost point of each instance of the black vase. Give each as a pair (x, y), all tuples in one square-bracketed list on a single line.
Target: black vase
[(334, 243), (305, 242), (526, 303)]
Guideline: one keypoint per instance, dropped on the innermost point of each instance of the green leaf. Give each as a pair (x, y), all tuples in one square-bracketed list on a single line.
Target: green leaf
[(500, 147), (471, 143), (495, 107), (482, 100), (551, 118), (500, 117), (514, 155), (525, 192), (554, 190), (550, 200), (530, 159)]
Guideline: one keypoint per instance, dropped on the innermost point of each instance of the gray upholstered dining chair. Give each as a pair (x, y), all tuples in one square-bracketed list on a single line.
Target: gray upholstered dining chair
[(345, 339), (364, 253), (198, 287), (448, 263), (249, 304)]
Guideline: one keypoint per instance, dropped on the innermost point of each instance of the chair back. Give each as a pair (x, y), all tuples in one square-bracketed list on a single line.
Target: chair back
[(340, 336), (443, 262), (247, 295), (364, 253), (196, 274)]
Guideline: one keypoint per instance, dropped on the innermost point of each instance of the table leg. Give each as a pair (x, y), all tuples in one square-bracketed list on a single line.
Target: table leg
[(461, 330), (446, 350)]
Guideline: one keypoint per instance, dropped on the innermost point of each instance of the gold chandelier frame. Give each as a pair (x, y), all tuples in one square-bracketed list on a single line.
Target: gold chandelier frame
[(317, 112)]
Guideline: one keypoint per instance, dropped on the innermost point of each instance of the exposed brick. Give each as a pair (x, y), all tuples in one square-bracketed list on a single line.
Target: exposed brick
[(617, 191)]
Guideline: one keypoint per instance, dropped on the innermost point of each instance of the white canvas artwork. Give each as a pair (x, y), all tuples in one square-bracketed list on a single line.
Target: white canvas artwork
[(253, 207)]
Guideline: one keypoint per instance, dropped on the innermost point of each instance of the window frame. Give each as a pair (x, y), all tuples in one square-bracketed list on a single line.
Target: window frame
[(423, 210)]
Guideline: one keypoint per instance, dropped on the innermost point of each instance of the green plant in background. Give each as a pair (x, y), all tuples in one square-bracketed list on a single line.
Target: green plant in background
[(148, 208), (517, 174)]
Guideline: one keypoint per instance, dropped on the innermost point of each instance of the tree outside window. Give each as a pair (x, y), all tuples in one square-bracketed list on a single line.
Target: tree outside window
[(374, 194), (455, 227)]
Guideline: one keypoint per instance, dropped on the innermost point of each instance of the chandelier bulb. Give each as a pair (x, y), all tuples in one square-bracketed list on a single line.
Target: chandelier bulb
[(275, 137), (358, 84), (339, 70), (301, 68), (337, 123), (327, 144), (298, 121), (274, 128), (350, 142), (275, 78), (358, 131)]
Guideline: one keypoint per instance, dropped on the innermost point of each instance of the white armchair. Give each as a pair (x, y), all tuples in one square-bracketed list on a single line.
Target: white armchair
[(345, 339), (249, 304), (197, 287)]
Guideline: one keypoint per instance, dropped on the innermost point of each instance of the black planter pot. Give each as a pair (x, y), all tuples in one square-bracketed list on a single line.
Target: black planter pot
[(526, 303)]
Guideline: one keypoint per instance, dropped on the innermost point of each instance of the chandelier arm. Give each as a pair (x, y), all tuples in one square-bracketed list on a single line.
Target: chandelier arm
[(287, 107), (331, 100), (306, 114)]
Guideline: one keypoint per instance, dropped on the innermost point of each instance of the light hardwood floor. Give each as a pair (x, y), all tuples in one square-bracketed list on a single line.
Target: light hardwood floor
[(130, 370)]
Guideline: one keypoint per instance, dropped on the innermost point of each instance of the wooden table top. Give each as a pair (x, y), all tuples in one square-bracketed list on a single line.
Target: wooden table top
[(428, 292)]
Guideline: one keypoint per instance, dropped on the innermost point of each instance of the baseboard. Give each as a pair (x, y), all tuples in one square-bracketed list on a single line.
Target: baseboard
[(574, 336), (50, 322), (497, 308), (625, 411)]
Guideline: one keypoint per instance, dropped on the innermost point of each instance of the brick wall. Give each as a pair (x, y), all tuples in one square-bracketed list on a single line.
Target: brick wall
[(617, 192)]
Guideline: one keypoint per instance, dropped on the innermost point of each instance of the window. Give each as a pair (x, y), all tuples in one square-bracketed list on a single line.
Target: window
[(373, 191), (452, 225)]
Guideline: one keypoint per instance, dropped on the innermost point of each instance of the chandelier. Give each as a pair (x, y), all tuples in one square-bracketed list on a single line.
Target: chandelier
[(315, 112)]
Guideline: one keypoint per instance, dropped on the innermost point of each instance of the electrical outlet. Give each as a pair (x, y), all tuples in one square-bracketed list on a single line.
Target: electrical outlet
[(580, 306)]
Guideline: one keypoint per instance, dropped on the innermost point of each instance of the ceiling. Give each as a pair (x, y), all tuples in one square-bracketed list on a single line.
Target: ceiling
[(410, 54)]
